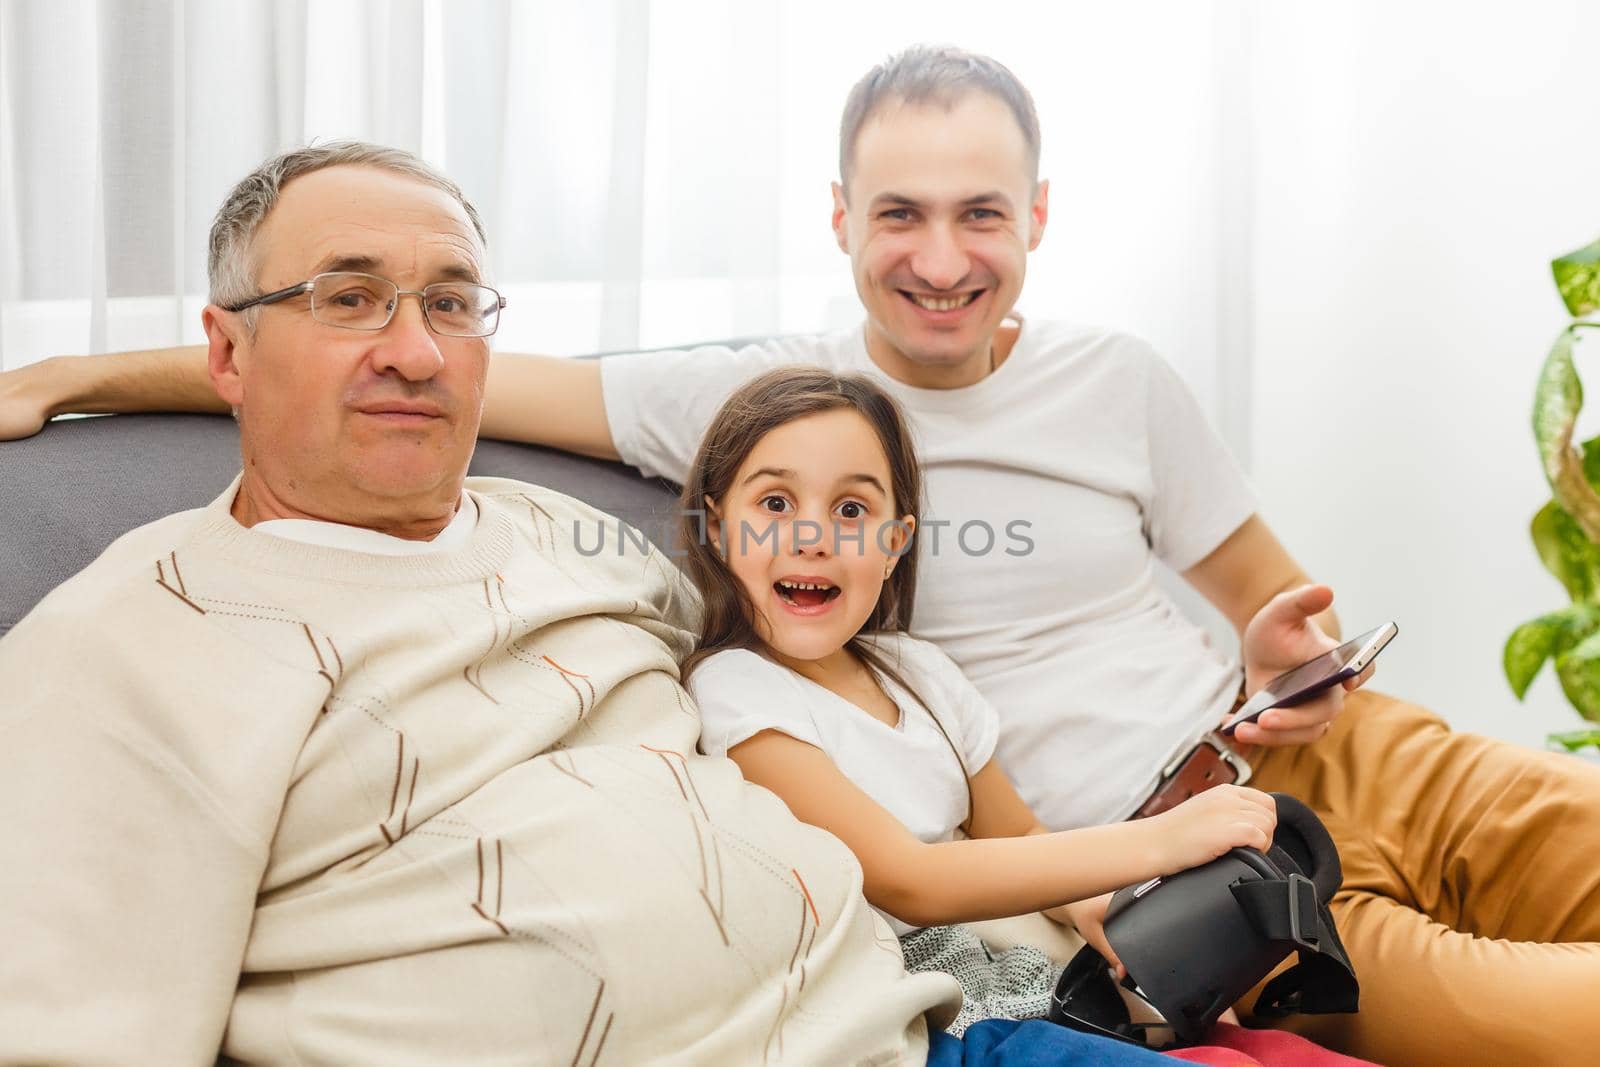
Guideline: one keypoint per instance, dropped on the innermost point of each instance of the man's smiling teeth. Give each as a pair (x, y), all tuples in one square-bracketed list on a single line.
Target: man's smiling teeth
[(933, 303)]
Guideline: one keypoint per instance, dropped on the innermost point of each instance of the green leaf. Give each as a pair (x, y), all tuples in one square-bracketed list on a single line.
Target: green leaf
[(1579, 672), (1526, 650), (1573, 740), (1563, 547), (1556, 401), (1577, 277), (1566, 552), (1533, 642), (1591, 461)]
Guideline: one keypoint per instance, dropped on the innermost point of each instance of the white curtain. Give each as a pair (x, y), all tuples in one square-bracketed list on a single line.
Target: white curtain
[(650, 172), (126, 123), (1334, 219)]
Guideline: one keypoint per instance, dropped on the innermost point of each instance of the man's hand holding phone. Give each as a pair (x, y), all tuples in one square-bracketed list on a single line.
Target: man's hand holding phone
[(1282, 636)]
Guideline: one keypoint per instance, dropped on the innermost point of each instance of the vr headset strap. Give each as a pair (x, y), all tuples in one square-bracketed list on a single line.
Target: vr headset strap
[(1287, 910)]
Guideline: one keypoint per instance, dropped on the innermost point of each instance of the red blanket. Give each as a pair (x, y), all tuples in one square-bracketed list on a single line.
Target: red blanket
[(1234, 1046)]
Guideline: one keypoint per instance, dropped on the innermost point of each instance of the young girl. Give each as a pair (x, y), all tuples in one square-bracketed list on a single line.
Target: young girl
[(806, 677)]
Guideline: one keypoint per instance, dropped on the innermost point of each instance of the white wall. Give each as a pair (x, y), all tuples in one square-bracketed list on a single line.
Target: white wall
[(1417, 168)]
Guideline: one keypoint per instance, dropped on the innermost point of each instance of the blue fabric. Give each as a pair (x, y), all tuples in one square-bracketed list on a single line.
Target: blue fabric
[(1033, 1043)]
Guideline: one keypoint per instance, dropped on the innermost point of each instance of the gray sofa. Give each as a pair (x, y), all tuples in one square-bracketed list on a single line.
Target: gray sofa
[(68, 492)]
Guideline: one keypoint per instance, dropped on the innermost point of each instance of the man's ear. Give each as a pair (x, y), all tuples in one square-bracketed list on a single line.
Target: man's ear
[(226, 336), (841, 231), (1038, 214)]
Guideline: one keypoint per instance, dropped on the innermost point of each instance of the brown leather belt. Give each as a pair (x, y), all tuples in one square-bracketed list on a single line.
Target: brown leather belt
[(1212, 761)]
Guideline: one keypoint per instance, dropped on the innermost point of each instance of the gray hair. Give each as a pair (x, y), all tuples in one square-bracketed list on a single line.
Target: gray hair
[(934, 74), (232, 267)]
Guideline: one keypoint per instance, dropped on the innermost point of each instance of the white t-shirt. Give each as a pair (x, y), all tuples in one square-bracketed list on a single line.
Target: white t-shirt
[(908, 769), (1087, 458)]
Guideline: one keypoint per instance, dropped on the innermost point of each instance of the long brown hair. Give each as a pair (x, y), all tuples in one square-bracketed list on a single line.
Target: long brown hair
[(775, 399)]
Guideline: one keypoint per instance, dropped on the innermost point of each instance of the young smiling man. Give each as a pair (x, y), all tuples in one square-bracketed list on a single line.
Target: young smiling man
[(1464, 885), (937, 208)]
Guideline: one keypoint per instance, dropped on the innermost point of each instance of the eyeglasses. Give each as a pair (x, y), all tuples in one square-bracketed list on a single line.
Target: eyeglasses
[(355, 301)]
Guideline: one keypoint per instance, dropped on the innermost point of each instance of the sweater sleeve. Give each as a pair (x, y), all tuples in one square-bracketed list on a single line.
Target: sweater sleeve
[(128, 866)]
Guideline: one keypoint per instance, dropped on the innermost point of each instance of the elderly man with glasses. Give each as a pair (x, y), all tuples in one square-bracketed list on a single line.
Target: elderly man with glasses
[(362, 762)]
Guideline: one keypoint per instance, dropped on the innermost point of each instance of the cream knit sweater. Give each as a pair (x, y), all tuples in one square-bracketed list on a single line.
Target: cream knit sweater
[(320, 807)]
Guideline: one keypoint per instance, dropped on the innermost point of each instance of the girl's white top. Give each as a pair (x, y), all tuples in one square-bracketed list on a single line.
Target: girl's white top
[(908, 768), (1059, 491)]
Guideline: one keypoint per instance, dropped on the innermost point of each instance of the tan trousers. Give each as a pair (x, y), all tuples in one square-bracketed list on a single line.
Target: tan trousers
[(1471, 899)]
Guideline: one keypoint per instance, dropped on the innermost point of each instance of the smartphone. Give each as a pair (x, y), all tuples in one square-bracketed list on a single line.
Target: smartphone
[(1300, 684)]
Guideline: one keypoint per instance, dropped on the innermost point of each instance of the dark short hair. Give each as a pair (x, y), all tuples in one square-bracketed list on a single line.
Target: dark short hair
[(934, 74)]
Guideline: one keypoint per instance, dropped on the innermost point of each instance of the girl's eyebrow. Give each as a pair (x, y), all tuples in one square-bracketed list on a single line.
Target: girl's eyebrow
[(775, 472), (868, 479), (785, 472)]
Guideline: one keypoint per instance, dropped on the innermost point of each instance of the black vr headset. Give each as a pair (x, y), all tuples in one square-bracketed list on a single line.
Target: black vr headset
[(1195, 942)]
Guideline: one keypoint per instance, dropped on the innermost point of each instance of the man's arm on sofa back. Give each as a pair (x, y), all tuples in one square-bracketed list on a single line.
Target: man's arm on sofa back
[(541, 400), (157, 379), (547, 400)]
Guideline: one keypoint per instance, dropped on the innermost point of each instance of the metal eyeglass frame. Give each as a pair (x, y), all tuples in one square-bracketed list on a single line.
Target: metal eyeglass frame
[(310, 284)]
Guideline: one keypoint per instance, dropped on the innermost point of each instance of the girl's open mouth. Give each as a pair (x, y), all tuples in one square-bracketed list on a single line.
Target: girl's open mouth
[(805, 594)]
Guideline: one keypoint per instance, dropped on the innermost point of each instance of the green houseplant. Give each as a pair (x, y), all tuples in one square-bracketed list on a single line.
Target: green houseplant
[(1566, 531)]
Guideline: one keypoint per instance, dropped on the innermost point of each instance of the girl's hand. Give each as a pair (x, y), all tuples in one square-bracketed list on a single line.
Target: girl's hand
[(1208, 825), (1089, 917)]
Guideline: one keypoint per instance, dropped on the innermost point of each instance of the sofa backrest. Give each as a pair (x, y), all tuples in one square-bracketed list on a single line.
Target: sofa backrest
[(68, 492)]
